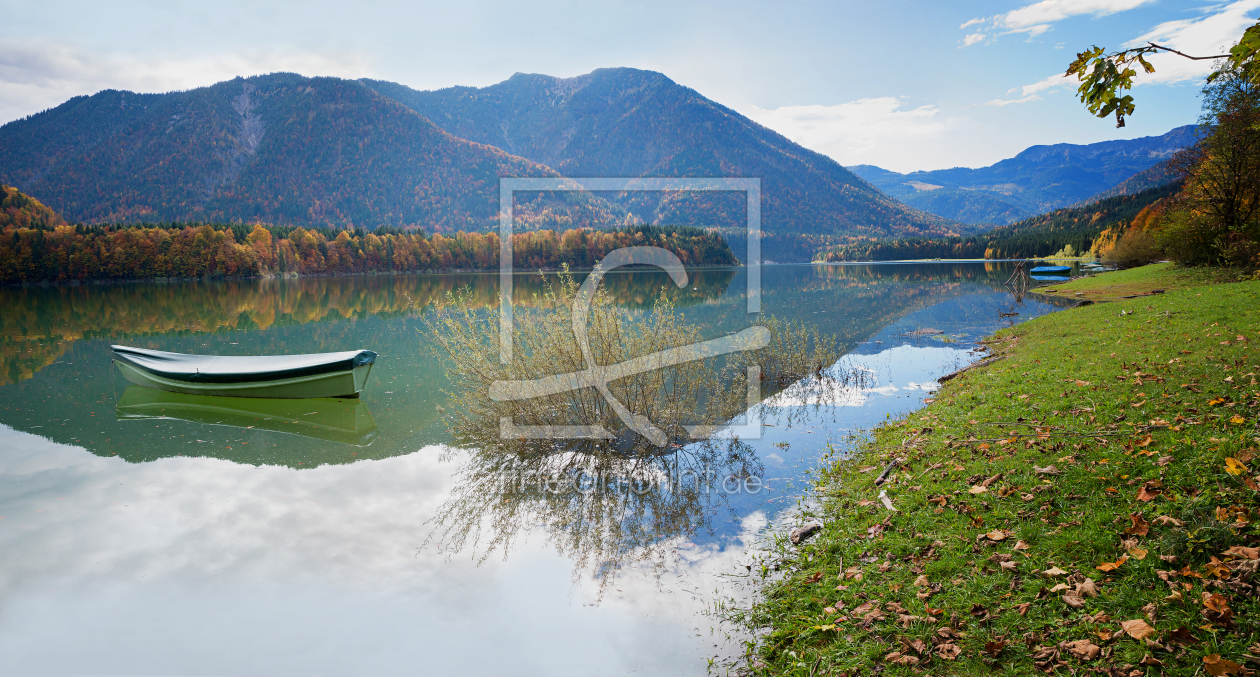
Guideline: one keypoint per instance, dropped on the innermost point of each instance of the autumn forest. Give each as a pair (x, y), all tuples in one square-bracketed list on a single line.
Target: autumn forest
[(36, 245)]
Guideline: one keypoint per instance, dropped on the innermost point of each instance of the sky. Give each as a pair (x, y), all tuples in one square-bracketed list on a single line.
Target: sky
[(909, 85)]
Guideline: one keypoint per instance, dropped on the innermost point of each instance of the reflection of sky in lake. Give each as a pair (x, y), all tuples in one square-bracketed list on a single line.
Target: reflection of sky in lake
[(202, 566), (166, 564)]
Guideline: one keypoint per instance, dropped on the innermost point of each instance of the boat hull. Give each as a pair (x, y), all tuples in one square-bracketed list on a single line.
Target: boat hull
[(348, 383)]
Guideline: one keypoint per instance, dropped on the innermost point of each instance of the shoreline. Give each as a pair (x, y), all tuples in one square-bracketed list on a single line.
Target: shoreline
[(1073, 505), (467, 271), (298, 276)]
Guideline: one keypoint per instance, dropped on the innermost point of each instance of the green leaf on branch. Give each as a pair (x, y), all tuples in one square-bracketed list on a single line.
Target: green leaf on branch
[(1104, 78)]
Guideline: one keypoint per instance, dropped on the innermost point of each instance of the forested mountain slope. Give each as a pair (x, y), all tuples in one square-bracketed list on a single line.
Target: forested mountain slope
[(1041, 235), (280, 148)]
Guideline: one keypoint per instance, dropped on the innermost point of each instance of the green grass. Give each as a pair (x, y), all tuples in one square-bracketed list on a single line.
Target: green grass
[(1113, 395), (1114, 285)]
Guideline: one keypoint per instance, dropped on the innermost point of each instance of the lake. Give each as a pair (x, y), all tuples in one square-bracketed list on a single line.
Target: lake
[(142, 535)]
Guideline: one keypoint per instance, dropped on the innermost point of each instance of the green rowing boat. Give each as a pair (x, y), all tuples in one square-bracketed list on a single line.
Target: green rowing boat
[(275, 376)]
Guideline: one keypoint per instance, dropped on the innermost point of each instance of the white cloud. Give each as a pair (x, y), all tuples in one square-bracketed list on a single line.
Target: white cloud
[(1037, 18), (972, 39), (37, 76), (849, 132), (1047, 83), (1007, 102), (1049, 11), (1205, 36)]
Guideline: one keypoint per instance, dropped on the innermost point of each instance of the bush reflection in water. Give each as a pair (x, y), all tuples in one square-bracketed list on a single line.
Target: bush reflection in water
[(606, 503)]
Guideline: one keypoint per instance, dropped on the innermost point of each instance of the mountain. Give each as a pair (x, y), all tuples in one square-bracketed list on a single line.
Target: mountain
[(318, 152), (622, 122), (280, 148), (1040, 179), (1160, 174), (1042, 235)]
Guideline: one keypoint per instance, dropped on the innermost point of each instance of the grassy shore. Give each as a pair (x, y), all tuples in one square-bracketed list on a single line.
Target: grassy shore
[(1086, 503)]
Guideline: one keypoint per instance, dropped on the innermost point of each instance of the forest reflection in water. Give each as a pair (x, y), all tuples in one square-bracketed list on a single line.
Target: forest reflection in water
[(54, 343), (38, 322)]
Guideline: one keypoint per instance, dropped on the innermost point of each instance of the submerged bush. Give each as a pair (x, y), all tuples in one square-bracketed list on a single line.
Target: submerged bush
[(704, 392), (621, 493)]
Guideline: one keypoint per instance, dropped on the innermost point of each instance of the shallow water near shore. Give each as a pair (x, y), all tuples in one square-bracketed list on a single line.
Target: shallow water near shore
[(172, 540)]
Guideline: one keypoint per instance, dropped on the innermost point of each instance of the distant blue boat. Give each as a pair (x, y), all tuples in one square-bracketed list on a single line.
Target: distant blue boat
[(1051, 278), (1051, 269)]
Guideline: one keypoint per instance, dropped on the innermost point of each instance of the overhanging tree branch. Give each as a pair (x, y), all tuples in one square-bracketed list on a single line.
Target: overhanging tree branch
[(1196, 58), (1105, 76)]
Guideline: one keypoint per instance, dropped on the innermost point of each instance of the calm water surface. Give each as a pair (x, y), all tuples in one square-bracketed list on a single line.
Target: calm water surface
[(142, 535)]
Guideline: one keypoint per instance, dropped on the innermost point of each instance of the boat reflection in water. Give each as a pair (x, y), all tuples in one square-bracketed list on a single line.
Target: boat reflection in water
[(347, 421)]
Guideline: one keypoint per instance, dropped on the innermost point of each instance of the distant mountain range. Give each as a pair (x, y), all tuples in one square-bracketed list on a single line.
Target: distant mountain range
[(1037, 236), (291, 150), (1038, 180)]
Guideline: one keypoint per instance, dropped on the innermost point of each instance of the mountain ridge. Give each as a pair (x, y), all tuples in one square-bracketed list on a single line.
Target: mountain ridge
[(327, 152), (256, 149), (656, 127), (1037, 180)]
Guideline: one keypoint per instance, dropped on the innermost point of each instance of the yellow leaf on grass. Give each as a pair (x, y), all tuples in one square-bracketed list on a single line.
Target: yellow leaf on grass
[(1112, 566), (1138, 553), (1217, 568), (1215, 401), (1234, 467), (977, 489), (1052, 572), (1237, 420)]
